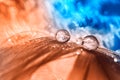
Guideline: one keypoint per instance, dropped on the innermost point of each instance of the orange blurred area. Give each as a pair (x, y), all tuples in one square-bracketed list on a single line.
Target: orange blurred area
[(47, 59), (18, 16), (36, 55)]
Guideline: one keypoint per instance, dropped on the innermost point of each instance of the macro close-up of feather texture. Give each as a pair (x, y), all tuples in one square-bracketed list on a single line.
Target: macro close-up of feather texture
[(59, 40)]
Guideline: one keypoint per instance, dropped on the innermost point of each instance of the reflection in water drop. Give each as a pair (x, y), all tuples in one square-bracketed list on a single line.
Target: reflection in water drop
[(90, 42), (62, 36)]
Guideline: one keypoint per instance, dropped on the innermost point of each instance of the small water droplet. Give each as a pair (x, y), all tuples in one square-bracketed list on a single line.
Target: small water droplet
[(115, 60), (9, 40), (62, 36), (77, 53)]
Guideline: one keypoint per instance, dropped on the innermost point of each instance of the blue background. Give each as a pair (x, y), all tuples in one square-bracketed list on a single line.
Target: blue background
[(100, 17)]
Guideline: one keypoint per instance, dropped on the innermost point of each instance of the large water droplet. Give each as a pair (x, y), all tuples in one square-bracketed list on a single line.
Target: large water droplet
[(62, 36), (90, 42)]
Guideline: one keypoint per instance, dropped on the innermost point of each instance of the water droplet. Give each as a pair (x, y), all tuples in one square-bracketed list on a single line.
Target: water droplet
[(9, 40), (77, 53), (115, 60), (90, 42), (62, 36)]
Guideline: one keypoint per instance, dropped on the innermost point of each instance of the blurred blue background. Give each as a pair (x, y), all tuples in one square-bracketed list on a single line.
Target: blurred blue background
[(101, 17)]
